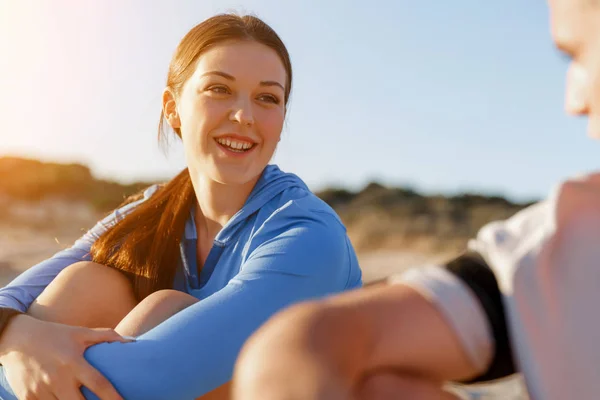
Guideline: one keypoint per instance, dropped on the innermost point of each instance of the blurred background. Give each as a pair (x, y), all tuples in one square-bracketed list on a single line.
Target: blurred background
[(417, 121)]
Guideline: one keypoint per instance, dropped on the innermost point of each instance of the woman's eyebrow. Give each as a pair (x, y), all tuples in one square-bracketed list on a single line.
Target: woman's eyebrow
[(272, 83), (232, 78), (220, 73)]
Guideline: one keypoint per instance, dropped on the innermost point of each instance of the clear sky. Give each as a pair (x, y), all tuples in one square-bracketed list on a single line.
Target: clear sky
[(444, 96)]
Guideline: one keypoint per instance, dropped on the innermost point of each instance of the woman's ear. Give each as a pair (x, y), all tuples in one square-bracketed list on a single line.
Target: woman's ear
[(170, 109)]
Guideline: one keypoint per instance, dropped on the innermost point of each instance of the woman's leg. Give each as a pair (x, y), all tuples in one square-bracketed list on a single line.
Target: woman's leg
[(86, 294), (95, 296), (155, 309)]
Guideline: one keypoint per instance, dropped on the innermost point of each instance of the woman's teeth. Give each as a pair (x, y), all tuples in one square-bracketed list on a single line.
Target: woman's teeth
[(235, 145)]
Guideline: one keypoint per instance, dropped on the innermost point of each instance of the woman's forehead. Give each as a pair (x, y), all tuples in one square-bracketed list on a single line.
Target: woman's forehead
[(243, 59)]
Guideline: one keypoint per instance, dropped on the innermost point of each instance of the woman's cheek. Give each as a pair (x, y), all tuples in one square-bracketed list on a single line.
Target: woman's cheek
[(273, 125), (211, 111)]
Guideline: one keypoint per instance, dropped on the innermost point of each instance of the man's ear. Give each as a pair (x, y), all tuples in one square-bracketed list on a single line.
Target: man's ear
[(170, 109)]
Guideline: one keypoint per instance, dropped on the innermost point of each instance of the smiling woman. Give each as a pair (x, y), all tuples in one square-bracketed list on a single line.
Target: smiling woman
[(224, 245), (223, 89)]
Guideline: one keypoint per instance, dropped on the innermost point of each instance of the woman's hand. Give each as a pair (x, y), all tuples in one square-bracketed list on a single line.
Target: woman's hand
[(44, 360)]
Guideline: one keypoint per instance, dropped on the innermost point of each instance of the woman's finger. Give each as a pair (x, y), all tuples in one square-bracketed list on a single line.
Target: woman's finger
[(101, 335), (68, 391), (89, 377)]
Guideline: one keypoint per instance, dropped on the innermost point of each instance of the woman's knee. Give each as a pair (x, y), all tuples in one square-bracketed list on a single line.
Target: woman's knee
[(89, 271), (154, 309), (165, 302), (173, 298), (95, 279), (87, 294)]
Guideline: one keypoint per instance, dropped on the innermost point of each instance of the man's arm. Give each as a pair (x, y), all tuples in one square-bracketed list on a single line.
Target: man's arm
[(323, 350)]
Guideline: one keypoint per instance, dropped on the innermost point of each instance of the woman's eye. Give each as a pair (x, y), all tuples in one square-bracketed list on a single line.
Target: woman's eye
[(218, 89), (269, 98)]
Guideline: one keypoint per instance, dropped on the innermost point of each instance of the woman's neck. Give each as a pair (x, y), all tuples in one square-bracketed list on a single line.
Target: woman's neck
[(217, 203)]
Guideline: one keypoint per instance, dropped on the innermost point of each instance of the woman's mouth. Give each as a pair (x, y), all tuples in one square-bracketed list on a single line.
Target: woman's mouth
[(235, 145)]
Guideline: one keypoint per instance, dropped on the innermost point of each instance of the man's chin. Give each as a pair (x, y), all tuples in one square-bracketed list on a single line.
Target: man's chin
[(594, 127)]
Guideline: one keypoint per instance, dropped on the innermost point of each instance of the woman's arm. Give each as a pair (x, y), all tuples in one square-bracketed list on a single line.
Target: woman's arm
[(32, 350), (23, 290), (194, 351)]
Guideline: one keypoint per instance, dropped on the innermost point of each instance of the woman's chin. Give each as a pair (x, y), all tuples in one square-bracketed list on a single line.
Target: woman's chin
[(230, 175)]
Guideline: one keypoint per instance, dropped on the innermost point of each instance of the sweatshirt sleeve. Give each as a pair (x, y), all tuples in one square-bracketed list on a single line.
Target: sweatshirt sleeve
[(470, 290), (298, 256), (23, 290), (466, 292)]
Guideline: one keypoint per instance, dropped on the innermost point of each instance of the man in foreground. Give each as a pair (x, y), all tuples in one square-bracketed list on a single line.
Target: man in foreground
[(524, 298)]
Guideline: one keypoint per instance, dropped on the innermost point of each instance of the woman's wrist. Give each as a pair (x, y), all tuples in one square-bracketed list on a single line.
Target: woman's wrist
[(10, 320)]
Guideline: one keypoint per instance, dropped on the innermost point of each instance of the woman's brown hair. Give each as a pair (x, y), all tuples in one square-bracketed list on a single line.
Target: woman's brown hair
[(145, 244)]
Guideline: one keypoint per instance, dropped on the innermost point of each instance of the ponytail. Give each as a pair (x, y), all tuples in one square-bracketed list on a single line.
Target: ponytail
[(145, 244)]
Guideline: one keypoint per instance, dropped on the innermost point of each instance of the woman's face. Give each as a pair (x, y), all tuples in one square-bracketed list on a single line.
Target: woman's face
[(230, 112)]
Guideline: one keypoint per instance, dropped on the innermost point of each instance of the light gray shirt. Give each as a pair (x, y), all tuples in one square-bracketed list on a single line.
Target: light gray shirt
[(546, 260)]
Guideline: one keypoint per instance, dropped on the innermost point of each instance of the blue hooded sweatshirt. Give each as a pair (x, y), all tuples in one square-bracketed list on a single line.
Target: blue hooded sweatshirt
[(284, 246)]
